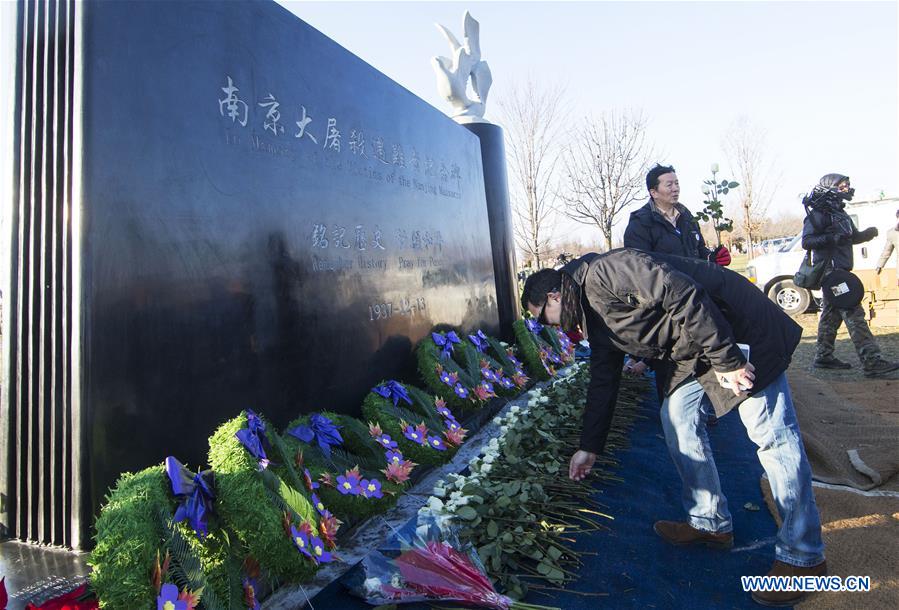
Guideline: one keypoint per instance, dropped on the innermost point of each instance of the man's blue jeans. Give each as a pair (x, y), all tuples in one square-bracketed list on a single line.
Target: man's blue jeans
[(771, 424)]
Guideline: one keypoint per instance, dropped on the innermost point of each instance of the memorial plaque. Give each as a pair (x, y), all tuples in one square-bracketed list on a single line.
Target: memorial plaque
[(268, 223), (272, 224)]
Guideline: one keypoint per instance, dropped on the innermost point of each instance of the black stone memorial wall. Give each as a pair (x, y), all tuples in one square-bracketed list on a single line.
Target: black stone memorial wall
[(259, 220)]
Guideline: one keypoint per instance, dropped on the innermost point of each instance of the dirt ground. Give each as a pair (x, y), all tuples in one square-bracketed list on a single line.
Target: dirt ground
[(861, 533), (879, 395)]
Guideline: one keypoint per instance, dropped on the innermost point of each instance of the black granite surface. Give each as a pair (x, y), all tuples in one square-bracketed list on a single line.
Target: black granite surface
[(270, 223), (35, 574)]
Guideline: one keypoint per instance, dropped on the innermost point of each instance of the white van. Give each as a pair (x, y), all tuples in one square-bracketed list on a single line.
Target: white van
[(774, 245), (773, 273)]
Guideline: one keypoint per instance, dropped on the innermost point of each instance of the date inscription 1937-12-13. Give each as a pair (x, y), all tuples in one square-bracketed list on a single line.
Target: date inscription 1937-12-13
[(406, 307)]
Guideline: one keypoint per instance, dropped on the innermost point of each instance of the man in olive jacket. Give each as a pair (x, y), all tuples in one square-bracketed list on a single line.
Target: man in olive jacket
[(692, 313), (892, 243)]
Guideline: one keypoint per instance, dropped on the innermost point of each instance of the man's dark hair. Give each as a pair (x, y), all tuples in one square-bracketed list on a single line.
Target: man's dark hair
[(538, 285), (652, 178)]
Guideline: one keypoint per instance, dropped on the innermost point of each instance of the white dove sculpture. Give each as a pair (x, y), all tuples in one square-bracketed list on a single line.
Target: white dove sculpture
[(453, 73)]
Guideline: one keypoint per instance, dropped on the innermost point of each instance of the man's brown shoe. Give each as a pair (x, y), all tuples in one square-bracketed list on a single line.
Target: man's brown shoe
[(787, 598), (680, 533)]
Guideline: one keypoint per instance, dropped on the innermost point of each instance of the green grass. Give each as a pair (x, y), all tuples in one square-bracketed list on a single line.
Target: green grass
[(738, 263)]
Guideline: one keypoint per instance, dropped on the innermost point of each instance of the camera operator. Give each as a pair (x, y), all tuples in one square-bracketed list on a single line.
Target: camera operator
[(829, 233)]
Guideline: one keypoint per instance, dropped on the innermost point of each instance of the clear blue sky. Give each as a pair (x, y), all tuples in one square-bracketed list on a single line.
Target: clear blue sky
[(822, 78)]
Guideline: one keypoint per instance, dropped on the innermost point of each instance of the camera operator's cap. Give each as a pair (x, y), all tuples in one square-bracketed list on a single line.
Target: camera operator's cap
[(842, 289)]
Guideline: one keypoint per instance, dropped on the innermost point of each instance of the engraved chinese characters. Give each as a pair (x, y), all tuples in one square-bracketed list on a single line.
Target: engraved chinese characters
[(273, 224)]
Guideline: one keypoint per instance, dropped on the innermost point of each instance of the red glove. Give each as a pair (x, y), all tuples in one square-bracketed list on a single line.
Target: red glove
[(721, 256)]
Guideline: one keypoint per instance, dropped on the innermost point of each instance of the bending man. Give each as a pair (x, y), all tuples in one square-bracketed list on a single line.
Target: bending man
[(692, 313)]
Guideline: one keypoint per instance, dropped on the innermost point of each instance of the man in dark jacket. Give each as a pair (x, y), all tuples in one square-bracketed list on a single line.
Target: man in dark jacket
[(692, 313), (829, 233), (666, 226)]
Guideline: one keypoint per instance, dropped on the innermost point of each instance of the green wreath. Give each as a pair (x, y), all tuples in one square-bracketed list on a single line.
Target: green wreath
[(560, 343), (128, 538), (323, 471), (447, 377), (253, 503), (530, 346), (507, 357), (135, 527), (390, 418), (487, 369)]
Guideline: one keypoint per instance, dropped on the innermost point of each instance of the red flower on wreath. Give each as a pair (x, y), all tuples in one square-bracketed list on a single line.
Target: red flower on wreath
[(326, 479), (455, 437), (520, 379), (327, 528), (160, 570), (192, 598), (484, 391), (399, 472)]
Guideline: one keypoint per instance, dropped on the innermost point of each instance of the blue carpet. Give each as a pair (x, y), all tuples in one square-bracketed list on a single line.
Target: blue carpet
[(633, 566)]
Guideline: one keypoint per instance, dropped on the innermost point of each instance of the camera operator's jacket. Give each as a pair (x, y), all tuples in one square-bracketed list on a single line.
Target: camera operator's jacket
[(685, 310), (821, 232)]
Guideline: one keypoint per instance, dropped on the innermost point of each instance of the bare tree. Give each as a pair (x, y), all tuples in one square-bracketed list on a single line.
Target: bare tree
[(604, 169), (532, 115), (784, 224), (745, 148)]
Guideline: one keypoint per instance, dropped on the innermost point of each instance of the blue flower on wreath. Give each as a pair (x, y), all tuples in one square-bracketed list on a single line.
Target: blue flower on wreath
[(436, 443), (371, 488), (301, 541), (460, 391), (394, 457), (446, 378), (320, 506), (446, 342), (310, 483), (479, 340), (168, 598), (249, 593), (319, 553), (506, 383), (414, 434), (488, 374), (385, 441), (393, 390), (484, 391), (445, 412), (533, 325), (349, 484), (322, 429), (253, 438)]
